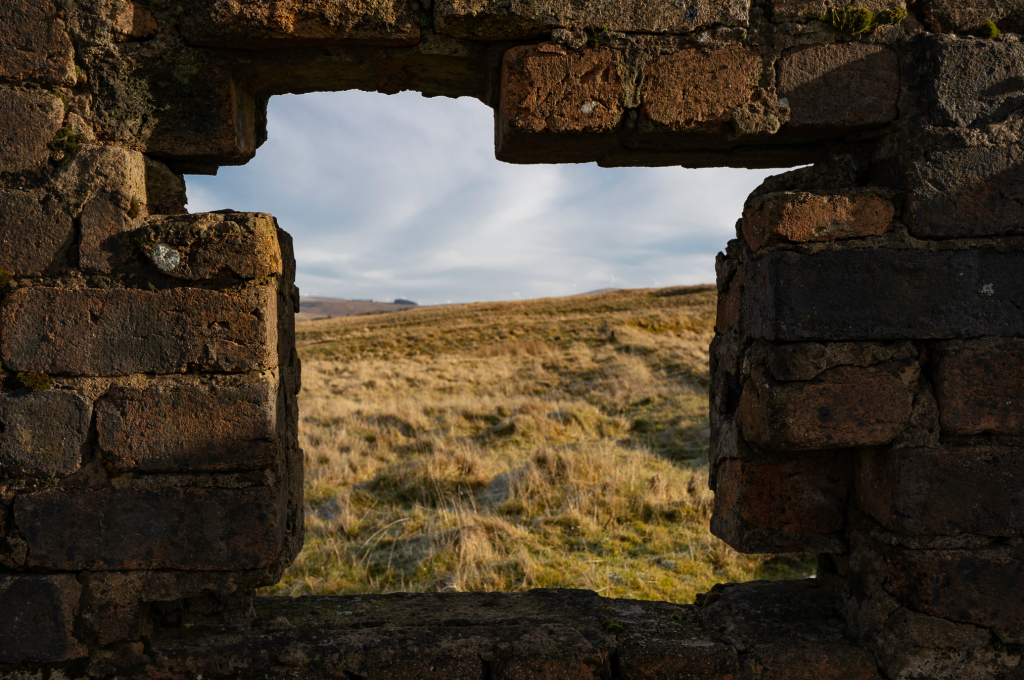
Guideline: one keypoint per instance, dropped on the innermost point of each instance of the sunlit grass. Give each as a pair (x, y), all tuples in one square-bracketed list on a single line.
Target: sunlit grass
[(508, 446)]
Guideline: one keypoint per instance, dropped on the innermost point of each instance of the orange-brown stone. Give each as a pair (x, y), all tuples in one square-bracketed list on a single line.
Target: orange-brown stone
[(979, 385), (800, 217)]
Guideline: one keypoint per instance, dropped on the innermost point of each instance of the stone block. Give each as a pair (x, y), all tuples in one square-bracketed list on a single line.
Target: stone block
[(495, 20), (805, 10), (165, 190), (42, 52), (982, 587), (35, 236), (189, 428), (558, 104), (843, 407), (213, 245), (194, 116), (967, 17), (801, 217), (132, 21), (947, 491), (979, 385), (884, 294), (105, 241), (111, 172), (151, 527), (960, 193), (975, 82), (835, 89), (783, 505), (699, 90), (290, 23), (29, 120), (42, 434), (119, 332), (37, 616)]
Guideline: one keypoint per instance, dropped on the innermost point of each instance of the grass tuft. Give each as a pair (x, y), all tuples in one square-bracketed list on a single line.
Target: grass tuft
[(34, 380), (509, 446)]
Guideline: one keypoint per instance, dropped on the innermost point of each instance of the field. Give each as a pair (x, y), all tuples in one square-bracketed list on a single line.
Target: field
[(509, 446)]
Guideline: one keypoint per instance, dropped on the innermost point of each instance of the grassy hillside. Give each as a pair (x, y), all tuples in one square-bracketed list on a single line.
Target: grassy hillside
[(508, 446)]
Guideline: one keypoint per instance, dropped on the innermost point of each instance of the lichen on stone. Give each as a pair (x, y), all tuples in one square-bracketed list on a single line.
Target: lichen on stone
[(990, 30), (34, 380), (858, 20)]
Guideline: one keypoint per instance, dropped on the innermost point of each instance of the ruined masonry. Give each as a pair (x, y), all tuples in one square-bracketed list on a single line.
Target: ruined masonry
[(867, 372)]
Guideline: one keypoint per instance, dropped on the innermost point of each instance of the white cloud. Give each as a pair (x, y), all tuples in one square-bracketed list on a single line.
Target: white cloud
[(400, 195)]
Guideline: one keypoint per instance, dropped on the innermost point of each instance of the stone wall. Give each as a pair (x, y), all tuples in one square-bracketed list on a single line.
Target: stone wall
[(867, 370)]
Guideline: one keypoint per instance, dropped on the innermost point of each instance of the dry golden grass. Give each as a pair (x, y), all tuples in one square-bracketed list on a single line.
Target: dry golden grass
[(508, 446)]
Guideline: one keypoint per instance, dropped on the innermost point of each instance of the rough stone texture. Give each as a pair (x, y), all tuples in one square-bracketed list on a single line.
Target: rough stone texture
[(165, 190), (37, 618), (36, 45), (34, 236), (964, 192), (801, 217), (29, 120), (151, 527), (212, 245), (784, 505), (538, 634), (104, 243), (548, 90), (960, 16), (984, 587), (977, 82), (948, 491), (915, 294), (255, 23), (134, 22), (42, 433), (805, 10), (495, 20), (842, 407), (699, 90), (980, 386), (119, 332), (189, 428), (837, 88)]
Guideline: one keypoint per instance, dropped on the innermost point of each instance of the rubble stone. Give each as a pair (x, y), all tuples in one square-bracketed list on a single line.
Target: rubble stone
[(42, 433), (37, 616)]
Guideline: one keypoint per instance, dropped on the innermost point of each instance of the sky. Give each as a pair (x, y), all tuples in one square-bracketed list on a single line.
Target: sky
[(400, 196)]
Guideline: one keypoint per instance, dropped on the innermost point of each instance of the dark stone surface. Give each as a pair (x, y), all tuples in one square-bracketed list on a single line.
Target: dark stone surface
[(976, 82), (37, 617), (965, 489), (538, 634), (29, 120), (151, 527), (884, 294), (42, 433), (189, 428), (979, 385), (42, 51), (35, 237), (119, 332)]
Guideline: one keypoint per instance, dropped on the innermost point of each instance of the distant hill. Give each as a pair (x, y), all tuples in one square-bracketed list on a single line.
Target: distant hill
[(313, 308)]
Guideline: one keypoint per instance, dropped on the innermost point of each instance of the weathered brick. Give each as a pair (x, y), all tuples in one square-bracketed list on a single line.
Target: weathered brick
[(947, 491), (120, 332), (979, 385), (975, 82), (212, 245), (495, 20), (698, 90), (104, 243), (42, 433), (800, 217), (37, 616), (833, 89), (34, 236), (983, 587), (254, 23), (960, 16), (151, 527), (36, 45), (804, 10), (883, 294), (168, 428), (29, 120), (558, 101), (958, 193), (842, 407), (785, 505)]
